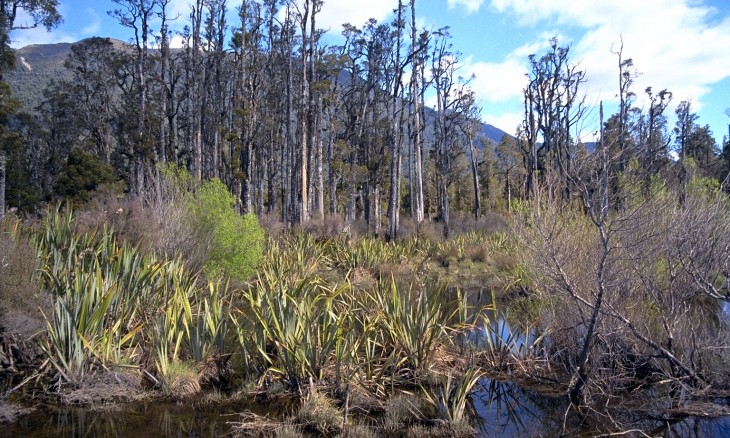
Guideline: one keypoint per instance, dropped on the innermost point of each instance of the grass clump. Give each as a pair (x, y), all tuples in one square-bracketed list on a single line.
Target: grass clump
[(180, 380), (402, 410), (319, 413)]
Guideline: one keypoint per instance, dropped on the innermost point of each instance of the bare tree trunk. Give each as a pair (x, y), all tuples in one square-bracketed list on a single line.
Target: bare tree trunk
[(305, 114), (164, 71), (417, 142), (396, 133), (3, 162), (475, 178), (195, 93), (319, 192), (288, 183), (332, 181)]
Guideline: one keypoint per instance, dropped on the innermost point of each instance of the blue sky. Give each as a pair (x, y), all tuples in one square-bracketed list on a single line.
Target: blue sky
[(680, 45)]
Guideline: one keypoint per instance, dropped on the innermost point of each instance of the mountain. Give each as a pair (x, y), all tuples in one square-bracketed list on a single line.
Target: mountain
[(36, 65), (493, 133)]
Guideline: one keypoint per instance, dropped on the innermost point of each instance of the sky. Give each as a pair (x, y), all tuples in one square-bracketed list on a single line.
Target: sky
[(679, 45)]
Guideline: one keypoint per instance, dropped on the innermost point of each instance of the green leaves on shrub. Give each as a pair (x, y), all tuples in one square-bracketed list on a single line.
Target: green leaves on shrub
[(232, 244), (82, 174), (235, 242)]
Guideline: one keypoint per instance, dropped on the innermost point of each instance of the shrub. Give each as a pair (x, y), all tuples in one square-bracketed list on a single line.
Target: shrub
[(82, 174), (202, 225), (235, 242)]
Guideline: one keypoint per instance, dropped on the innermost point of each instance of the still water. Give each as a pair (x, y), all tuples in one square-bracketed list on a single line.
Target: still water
[(502, 409)]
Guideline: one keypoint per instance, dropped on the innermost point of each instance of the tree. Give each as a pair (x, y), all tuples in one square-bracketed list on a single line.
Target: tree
[(92, 94), (469, 126), (654, 142), (552, 110), (702, 148), (397, 116), (42, 13), (82, 174), (684, 126), (443, 70), (621, 125), (136, 15), (510, 165)]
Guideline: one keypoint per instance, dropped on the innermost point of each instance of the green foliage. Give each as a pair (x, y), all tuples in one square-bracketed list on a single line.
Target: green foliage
[(706, 188), (452, 398), (19, 190), (82, 174), (304, 319), (97, 286), (231, 244), (235, 242), (415, 319)]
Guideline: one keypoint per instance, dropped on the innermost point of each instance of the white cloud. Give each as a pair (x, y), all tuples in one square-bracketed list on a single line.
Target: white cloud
[(506, 121), (39, 35), (679, 45), (178, 10), (94, 26), (176, 42), (22, 38), (495, 82), (335, 13), (470, 6)]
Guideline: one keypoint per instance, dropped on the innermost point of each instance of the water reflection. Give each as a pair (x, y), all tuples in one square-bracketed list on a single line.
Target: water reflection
[(504, 409), (144, 419)]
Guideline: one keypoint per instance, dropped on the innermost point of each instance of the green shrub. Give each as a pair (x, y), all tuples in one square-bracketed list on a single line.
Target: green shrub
[(235, 242), (206, 229), (82, 174)]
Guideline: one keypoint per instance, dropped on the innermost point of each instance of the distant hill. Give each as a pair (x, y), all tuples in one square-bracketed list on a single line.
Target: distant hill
[(37, 64), (493, 133)]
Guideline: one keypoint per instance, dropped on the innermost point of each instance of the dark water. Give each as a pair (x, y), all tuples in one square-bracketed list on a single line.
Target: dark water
[(506, 410), (503, 409), (153, 419)]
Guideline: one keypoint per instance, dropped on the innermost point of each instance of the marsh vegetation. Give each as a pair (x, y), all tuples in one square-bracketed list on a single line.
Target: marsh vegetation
[(134, 299), (319, 253)]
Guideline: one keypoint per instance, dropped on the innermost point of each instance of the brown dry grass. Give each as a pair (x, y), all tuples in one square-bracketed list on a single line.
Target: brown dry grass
[(20, 297)]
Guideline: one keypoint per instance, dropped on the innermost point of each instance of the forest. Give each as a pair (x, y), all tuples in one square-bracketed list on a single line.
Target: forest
[(261, 214)]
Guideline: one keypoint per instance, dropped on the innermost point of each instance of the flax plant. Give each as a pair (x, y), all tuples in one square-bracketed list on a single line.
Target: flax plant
[(452, 395), (365, 253), (171, 322), (415, 319), (211, 323), (298, 325), (96, 285)]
